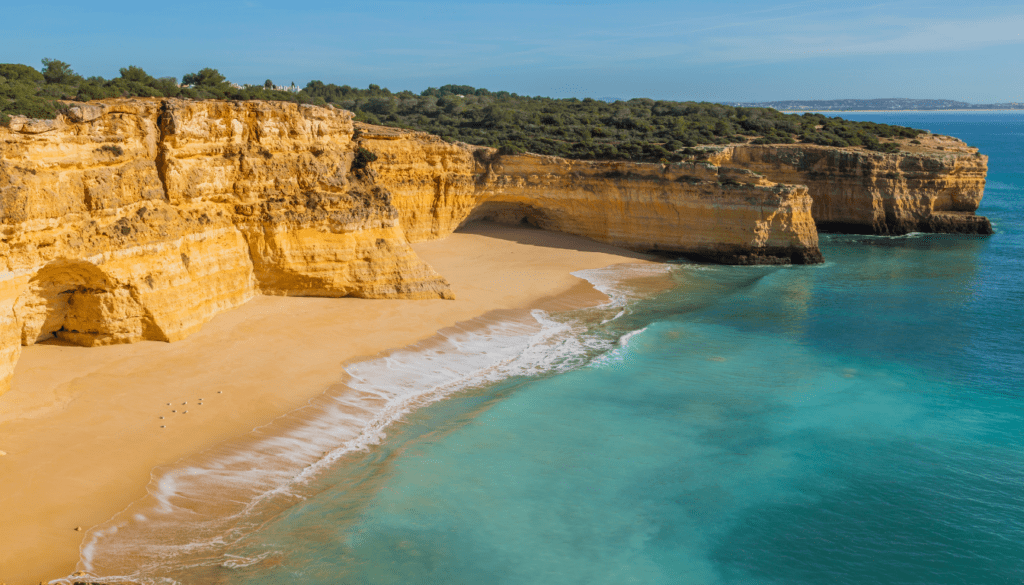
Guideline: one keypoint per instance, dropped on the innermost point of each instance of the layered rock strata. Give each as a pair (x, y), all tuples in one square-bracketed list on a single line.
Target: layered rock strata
[(858, 191), (852, 190), (696, 209), (432, 182), (702, 210), (142, 219)]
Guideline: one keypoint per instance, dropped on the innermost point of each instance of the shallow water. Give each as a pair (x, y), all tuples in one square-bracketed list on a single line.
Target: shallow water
[(854, 422)]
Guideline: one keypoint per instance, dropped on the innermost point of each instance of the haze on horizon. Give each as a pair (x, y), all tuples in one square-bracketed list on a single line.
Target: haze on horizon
[(747, 51)]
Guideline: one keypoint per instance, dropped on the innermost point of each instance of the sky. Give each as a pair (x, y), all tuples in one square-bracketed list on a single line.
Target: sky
[(734, 51)]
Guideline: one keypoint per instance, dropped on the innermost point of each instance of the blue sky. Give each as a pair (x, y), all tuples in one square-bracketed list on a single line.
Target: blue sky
[(741, 50)]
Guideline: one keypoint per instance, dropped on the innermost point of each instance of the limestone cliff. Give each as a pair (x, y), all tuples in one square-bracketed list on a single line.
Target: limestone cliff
[(858, 191), (313, 227), (701, 210), (698, 209), (432, 182), (718, 209), (141, 219)]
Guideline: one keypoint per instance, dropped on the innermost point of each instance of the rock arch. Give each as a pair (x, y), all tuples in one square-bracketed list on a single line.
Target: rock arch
[(76, 302)]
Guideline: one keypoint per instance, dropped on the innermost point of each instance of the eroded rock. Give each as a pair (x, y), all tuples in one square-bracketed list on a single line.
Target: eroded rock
[(143, 218), (134, 219)]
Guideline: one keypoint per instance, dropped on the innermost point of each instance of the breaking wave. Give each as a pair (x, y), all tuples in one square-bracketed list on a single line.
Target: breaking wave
[(197, 507)]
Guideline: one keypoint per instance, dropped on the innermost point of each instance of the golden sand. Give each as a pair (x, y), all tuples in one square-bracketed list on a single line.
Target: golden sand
[(82, 427)]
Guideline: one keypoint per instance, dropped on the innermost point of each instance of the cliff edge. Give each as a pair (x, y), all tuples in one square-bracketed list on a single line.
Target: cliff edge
[(141, 219), (702, 210), (936, 190)]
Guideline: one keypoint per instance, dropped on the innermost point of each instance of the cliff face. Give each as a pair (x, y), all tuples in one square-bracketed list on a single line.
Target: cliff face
[(720, 214), (141, 219), (313, 228), (868, 192), (723, 214), (432, 182), (745, 204)]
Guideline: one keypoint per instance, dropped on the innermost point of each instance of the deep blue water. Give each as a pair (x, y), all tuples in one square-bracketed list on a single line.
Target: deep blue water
[(856, 422)]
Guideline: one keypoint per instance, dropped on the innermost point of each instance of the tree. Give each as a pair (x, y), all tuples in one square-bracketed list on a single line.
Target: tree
[(382, 106), (136, 74), (14, 72), (59, 72), (205, 78), (497, 116), (637, 129), (168, 86)]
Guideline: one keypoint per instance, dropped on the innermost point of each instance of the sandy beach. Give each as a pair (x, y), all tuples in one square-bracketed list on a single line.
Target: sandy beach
[(82, 427)]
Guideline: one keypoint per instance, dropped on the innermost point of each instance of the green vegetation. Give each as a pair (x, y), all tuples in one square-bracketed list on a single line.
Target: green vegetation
[(363, 157), (638, 129), (28, 92), (112, 149)]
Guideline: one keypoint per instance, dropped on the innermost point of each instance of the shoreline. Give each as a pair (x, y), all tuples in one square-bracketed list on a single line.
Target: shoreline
[(892, 111), (218, 495), (83, 439)]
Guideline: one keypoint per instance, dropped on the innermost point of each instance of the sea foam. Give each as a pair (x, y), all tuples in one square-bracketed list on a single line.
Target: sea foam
[(197, 507)]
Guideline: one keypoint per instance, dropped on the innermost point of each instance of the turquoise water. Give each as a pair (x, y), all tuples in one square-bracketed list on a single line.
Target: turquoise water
[(855, 422)]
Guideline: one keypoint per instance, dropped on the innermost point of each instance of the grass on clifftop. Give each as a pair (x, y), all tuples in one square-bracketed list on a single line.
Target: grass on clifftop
[(638, 130)]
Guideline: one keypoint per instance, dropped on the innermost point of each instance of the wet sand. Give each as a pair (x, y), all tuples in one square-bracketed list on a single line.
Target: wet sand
[(82, 428)]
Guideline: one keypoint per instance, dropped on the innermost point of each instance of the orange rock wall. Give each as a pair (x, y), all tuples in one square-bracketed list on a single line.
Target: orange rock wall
[(697, 209), (718, 213), (870, 192), (143, 218), (432, 182)]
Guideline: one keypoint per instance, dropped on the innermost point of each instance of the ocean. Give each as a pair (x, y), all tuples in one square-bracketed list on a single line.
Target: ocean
[(860, 421)]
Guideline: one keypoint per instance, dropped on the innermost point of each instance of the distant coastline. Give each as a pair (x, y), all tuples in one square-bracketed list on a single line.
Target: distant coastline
[(878, 105), (908, 110)]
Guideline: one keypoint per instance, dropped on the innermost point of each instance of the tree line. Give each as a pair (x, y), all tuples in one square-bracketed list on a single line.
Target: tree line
[(638, 129)]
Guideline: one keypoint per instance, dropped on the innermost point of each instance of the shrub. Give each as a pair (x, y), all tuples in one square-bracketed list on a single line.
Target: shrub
[(888, 147), (363, 157), (366, 117), (33, 107), (511, 149), (16, 73), (112, 149), (637, 129)]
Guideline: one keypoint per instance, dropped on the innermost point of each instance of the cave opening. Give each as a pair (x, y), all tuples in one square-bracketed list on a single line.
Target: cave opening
[(509, 213), (70, 302)]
